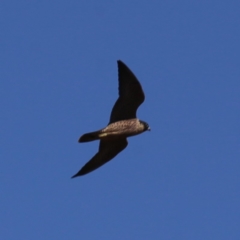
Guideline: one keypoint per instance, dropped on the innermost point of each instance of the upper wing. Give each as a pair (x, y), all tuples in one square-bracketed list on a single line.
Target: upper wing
[(130, 97), (107, 151)]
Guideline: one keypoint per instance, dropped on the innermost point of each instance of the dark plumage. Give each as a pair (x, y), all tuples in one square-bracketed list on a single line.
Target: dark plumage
[(123, 122)]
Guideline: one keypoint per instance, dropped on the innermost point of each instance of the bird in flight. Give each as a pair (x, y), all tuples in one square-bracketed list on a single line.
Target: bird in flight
[(123, 122)]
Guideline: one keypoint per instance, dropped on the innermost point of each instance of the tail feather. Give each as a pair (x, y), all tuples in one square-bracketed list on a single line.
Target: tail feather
[(88, 137)]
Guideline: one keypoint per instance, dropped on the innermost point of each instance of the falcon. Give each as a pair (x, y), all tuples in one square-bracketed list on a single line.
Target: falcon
[(123, 122)]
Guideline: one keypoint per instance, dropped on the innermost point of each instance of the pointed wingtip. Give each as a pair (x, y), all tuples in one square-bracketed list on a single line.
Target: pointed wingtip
[(76, 175), (79, 174), (120, 62)]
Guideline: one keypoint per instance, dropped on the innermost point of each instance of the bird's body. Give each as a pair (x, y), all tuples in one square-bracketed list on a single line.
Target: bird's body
[(116, 130), (123, 122)]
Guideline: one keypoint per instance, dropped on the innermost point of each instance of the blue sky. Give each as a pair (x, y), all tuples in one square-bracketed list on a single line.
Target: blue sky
[(59, 80)]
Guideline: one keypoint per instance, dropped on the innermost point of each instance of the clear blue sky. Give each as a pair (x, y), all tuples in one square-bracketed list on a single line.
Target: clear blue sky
[(58, 80)]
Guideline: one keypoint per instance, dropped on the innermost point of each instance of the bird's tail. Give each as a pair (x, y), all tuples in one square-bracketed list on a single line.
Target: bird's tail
[(88, 137)]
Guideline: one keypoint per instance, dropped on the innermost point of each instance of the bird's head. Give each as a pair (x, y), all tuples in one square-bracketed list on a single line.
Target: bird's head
[(145, 126)]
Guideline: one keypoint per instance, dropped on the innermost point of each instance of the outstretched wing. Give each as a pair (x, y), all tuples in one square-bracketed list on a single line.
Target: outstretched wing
[(107, 151), (131, 95)]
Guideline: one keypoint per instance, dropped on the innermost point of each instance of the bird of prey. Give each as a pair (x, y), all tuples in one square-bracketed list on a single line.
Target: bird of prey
[(123, 122)]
